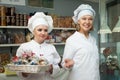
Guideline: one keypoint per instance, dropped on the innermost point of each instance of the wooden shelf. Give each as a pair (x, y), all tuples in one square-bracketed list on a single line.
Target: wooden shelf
[(20, 27), (58, 43), (15, 45), (64, 28), (9, 45), (25, 27)]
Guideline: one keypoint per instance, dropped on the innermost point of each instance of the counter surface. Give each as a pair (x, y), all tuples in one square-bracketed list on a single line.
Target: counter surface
[(4, 77)]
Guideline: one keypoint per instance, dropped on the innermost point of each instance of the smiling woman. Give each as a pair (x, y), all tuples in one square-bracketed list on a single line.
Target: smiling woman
[(79, 57), (39, 25)]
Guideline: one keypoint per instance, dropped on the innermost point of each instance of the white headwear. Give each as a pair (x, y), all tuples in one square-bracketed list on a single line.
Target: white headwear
[(83, 9), (40, 18)]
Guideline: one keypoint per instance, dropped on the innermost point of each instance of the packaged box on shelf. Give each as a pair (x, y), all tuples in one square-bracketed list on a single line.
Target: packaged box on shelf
[(4, 58), (1, 69)]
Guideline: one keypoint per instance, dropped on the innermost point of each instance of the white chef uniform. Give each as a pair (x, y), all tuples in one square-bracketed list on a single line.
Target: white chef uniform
[(84, 52), (48, 51)]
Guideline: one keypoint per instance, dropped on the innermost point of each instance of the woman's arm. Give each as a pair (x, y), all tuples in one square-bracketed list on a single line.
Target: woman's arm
[(55, 64), (68, 55)]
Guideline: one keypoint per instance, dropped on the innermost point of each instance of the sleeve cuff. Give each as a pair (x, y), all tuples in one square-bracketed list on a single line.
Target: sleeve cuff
[(56, 70)]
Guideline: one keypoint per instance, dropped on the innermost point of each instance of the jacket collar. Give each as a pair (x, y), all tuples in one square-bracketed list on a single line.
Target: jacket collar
[(37, 44)]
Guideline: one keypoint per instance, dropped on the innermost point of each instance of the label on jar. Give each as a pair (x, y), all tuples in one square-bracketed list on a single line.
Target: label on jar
[(12, 20), (8, 21), (17, 22), (3, 21)]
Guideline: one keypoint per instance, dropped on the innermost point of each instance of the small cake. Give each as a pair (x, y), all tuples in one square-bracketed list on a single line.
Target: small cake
[(43, 61)]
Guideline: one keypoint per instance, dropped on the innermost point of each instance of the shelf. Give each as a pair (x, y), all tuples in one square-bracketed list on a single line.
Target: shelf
[(58, 43), (64, 28), (21, 27), (14, 45), (25, 27), (9, 45)]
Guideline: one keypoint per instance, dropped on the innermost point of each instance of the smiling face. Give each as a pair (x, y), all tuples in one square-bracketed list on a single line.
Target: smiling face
[(85, 23), (40, 33)]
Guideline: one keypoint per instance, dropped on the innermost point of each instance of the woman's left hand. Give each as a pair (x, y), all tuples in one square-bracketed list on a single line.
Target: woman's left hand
[(25, 74), (50, 70), (69, 63)]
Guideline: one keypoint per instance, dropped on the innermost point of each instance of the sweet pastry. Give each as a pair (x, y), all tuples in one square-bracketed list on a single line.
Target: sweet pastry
[(28, 58), (43, 61)]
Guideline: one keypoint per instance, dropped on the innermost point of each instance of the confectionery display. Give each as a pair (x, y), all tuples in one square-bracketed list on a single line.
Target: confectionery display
[(28, 62), (28, 58)]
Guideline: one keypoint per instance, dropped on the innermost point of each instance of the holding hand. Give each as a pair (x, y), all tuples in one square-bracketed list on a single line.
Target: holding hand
[(25, 74), (50, 69), (69, 63)]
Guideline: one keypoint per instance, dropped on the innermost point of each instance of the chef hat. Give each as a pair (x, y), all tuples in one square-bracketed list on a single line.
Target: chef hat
[(83, 9), (39, 18)]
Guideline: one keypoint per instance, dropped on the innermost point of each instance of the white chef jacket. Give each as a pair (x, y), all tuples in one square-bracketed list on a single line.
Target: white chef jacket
[(48, 51), (84, 52)]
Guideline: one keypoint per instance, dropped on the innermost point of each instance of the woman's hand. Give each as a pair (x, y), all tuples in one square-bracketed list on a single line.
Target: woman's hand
[(25, 74), (50, 70), (69, 63)]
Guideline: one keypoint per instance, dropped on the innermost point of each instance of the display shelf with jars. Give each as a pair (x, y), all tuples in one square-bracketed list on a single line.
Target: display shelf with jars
[(13, 28), (9, 36), (13, 31)]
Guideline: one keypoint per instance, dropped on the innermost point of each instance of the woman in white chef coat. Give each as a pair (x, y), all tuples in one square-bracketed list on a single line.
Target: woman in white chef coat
[(81, 50), (40, 25)]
